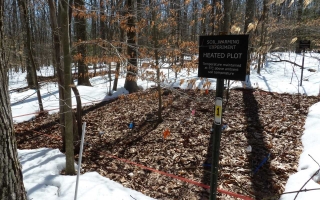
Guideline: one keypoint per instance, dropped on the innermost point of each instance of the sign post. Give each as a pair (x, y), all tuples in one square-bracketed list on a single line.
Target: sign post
[(216, 139), (303, 44), (221, 57)]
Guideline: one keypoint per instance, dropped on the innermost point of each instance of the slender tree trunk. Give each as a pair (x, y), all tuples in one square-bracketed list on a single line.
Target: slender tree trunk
[(115, 83), (58, 65), (263, 34), (94, 36), (249, 16), (11, 179), (227, 16), (77, 122), (203, 16), (299, 20), (28, 41), (185, 32), (156, 54), (195, 20), (64, 19), (213, 17)]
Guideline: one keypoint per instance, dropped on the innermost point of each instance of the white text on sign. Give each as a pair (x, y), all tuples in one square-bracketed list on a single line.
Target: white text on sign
[(223, 55)]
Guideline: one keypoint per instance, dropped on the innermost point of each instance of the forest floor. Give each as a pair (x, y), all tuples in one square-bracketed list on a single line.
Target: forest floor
[(270, 123)]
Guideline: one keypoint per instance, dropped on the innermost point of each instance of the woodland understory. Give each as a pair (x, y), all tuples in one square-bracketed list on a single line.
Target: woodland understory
[(268, 122)]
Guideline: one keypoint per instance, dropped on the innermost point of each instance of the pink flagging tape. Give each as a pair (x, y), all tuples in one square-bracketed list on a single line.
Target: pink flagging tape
[(180, 178), (84, 104), (175, 176)]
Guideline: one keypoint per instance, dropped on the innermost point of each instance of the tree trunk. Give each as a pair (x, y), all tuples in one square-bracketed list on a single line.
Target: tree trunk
[(131, 82), (227, 16), (11, 179), (299, 30), (58, 65), (94, 36), (262, 51), (213, 16), (249, 16), (250, 6), (116, 78), (64, 19), (80, 28), (115, 81), (29, 50), (77, 122), (203, 17), (156, 57), (109, 78)]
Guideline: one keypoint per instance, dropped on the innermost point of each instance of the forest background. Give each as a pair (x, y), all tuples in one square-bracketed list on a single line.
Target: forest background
[(136, 34)]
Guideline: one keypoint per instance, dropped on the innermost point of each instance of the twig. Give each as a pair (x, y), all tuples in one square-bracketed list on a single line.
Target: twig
[(305, 190), (314, 160), (308, 179), (241, 187), (281, 60), (132, 197)]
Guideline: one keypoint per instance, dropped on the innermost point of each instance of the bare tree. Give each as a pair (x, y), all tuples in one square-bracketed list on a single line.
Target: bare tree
[(11, 179), (57, 64), (68, 121), (31, 65)]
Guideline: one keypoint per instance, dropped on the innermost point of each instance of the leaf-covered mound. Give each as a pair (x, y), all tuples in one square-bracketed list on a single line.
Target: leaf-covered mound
[(258, 124)]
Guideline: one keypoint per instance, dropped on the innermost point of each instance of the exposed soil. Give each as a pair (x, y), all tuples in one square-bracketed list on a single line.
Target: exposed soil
[(270, 123)]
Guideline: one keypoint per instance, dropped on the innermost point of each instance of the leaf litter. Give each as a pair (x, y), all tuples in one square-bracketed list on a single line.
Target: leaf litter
[(269, 123)]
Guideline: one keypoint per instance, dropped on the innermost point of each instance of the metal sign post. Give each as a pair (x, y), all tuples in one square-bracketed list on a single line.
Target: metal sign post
[(221, 57), (302, 66), (303, 44), (216, 139)]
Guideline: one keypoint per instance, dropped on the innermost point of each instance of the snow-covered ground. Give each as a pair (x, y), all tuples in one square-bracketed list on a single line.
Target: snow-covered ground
[(41, 167), (41, 173), (309, 163)]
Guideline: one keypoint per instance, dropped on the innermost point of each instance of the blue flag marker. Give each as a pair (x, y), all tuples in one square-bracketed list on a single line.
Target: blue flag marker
[(206, 165), (224, 127), (262, 163), (131, 125)]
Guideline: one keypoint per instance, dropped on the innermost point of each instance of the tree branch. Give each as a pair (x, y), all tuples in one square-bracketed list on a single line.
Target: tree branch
[(308, 179)]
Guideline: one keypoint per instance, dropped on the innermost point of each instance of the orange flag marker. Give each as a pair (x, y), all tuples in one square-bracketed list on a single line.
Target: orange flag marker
[(166, 133)]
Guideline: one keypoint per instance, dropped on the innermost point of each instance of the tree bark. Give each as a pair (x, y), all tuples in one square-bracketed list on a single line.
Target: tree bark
[(115, 83), (29, 51), (213, 18), (81, 35), (64, 19), (156, 55), (94, 36), (11, 179), (58, 65), (249, 16), (77, 122), (250, 6), (299, 20), (227, 16), (131, 82), (262, 51)]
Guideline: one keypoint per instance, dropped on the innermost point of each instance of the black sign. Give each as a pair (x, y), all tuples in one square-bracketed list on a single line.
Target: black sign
[(304, 44), (223, 56)]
